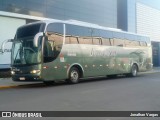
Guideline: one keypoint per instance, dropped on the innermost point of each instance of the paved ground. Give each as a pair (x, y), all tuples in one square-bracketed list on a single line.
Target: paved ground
[(8, 83), (119, 94)]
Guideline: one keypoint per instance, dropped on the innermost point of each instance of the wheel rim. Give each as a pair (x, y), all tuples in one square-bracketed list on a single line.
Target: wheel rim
[(74, 75), (134, 70)]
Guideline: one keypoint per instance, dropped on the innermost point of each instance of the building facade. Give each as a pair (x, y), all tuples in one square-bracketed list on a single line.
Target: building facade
[(142, 17), (128, 15)]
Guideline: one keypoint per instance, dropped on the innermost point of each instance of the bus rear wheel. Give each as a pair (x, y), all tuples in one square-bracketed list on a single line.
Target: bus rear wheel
[(134, 71), (73, 76)]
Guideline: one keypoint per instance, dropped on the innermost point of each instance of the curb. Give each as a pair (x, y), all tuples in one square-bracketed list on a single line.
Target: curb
[(5, 87), (149, 72)]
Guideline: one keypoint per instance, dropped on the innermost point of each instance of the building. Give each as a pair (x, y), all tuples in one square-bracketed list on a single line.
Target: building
[(142, 17), (128, 15)]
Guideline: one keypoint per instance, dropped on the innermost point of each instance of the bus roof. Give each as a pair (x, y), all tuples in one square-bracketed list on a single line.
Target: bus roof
[(81, 23), (90, 25), (87, 24)]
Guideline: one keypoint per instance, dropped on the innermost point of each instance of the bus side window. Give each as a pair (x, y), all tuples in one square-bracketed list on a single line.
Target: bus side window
[(74, 40), (118, 39), (96, 41), (58, 40), (118, 42), (132, 43), (111, 41), (52, 47), (106, 42), (81, 40), (127, 43), (107, 37), (87, 40), (78, 34), (67, 40), (135, 43), (143, 43), (71, 40), (95, 34), (75, 30), (53, 42)]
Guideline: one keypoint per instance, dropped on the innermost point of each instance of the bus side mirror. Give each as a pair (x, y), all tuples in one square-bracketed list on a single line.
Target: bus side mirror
[(36, 38), (4, 43)]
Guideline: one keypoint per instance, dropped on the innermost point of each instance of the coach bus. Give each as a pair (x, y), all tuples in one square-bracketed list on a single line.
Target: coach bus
[(70, 50)]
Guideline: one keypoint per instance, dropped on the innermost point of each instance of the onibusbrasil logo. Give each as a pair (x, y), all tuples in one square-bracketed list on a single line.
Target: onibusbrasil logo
[(21, 114)]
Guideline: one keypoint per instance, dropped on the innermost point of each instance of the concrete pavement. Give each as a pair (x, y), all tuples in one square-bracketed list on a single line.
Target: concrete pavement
[(102, 94), (8, 83)]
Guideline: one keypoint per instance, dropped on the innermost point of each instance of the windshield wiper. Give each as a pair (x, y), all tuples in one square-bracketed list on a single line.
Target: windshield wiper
[(16, 56)]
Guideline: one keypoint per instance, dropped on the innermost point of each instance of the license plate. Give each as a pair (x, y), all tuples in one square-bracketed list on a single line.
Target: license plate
[(22, 78)]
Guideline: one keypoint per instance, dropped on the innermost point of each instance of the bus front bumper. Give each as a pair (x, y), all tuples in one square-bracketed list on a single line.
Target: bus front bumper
[(26, 77)]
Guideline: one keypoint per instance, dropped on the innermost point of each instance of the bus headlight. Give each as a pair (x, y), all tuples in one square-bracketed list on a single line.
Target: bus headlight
[(35, 71), (12, 72)]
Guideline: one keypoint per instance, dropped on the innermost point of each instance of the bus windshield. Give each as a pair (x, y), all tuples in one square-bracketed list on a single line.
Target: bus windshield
[(24, 52)]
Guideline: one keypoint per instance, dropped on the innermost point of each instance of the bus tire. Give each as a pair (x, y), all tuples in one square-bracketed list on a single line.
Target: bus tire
[(134, 71), (74, 76)]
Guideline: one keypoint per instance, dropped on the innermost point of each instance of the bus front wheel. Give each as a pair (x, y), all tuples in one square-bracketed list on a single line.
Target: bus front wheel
[(73, 75)]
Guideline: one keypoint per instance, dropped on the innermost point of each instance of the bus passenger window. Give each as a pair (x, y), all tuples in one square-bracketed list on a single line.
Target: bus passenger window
[(71, 40), (118, 42), (135, 43), (143, 43), (96, 41), (106, 42), (52, 47), (87, 40), (81, 41), (127, 43), (67, 40)]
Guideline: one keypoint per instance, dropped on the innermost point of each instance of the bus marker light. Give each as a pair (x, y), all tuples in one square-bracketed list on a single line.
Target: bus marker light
[(35, 71), (45, 67)]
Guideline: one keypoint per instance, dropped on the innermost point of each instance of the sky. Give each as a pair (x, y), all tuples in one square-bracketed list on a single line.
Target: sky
[(151, 3)]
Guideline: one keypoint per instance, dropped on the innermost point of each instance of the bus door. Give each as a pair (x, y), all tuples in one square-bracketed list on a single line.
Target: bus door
[(52, 47)]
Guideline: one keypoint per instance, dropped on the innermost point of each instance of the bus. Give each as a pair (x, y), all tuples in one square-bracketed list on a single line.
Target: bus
[(54, 50)]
